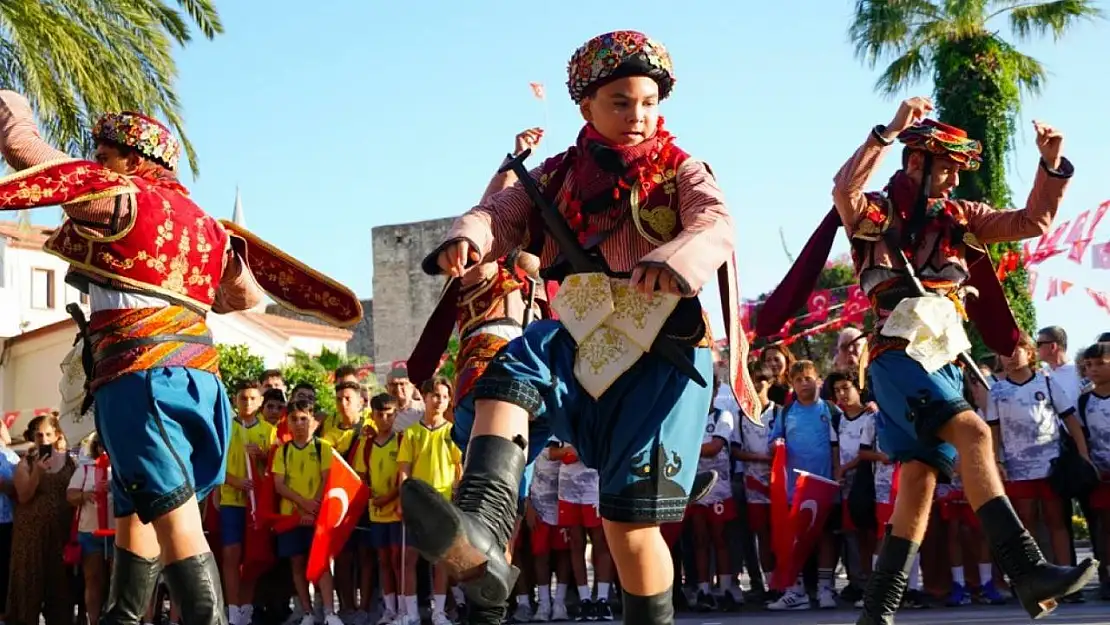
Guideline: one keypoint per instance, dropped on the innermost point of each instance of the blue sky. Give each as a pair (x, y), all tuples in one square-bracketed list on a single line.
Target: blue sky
[(352, 114)]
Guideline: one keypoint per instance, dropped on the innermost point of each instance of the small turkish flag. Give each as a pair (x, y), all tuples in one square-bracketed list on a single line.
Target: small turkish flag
[(814, 497), (537, 90), (100, 489), (344, 503)]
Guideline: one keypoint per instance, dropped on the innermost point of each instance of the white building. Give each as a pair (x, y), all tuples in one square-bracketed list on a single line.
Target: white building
[(36, 333)]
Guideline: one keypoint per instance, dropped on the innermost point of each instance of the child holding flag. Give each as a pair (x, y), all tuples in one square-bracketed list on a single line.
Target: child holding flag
[(300, 471)]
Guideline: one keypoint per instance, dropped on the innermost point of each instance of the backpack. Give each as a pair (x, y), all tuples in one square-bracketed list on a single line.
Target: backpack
[(1071, 476)]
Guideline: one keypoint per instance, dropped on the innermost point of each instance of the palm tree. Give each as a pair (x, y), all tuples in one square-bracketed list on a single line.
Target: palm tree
[(978, 80), (75, 59)]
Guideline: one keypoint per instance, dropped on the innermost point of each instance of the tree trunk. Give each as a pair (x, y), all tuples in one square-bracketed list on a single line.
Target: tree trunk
[(977, 91)]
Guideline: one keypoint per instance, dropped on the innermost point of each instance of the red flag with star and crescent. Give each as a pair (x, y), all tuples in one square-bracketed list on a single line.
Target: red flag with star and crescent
[(344, 503)]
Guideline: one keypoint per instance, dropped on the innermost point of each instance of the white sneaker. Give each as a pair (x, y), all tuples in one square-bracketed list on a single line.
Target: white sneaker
[(523, 613), (333, 619), (233, 615), (826, 599), (543, 613), (308, 619), (407, 619), (388, 617), (790, 601), (440, 618), (559, 613), (859, 604)]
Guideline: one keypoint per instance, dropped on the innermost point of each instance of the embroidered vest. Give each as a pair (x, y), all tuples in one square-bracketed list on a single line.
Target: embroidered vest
[(170, 247), (655, 216), (487, 300)]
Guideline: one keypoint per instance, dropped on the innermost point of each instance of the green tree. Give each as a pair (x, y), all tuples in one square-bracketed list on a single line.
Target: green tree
[(237, 364), (75, 59), (450, 365), (978, 80), (319, 371)]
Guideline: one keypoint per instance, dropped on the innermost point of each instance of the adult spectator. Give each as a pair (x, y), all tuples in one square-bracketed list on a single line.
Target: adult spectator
[(410, 407), (1052, 349)]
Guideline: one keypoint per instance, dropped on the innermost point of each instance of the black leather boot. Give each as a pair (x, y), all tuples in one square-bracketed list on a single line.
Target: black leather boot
[(654, 610), (485, 615), (131, 588), (888, 582), (469, 536), (194, 585), (1036, 583)]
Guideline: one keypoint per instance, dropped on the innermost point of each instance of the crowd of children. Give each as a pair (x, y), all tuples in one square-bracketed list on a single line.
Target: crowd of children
[(826, 423)]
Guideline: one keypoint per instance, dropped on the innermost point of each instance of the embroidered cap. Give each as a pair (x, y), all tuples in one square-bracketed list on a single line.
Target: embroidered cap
[(145, 135), (618, 54), (944, 140)]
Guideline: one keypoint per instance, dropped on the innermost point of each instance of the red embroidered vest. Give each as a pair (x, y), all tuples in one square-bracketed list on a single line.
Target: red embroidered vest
[(170, 247)]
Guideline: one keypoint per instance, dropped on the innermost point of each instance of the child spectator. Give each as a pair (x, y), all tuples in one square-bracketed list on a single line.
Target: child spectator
[(428, 454), (579, 492), (379, 469), (1094, 412), (250, 442), (342, 431), (300, 472), (751, 445), (549, 542), (807, 426)]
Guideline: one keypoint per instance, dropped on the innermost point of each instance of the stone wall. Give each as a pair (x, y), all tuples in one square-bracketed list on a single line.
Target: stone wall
[(404, 297)]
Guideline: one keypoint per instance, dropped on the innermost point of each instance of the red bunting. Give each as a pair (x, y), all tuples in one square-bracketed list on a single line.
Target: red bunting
[(1053, 289), (1007, 264), (856, 306), (1102, 299), (1077, 230), (1065, 286), (1032, 282), (1100, 259), (818, 306)]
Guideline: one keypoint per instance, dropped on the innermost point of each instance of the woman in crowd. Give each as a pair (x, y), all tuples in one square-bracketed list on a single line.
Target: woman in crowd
[(41, 529), (96, 551), (778, 359)]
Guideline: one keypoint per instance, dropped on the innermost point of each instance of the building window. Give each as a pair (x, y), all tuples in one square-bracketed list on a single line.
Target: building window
[(73, 296), (42, 288), (84, 299)]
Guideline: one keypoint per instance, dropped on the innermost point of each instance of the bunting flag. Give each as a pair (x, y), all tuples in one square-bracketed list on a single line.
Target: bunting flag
[(1100, 259), (856, 306), (537, 90), (1065, 286), (344, 503), (818, 306), (1032, 282), (1102, 299), (1078, 229), (1053, 288)]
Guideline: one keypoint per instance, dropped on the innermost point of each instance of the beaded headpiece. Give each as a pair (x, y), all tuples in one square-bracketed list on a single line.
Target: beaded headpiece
[(618, 54), (146, 136), (944, 140)]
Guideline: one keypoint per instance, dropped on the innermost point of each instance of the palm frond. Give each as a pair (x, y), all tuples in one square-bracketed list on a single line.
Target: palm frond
[(1028, 71), (1038, 19), (905, 70), (204, 16), (888, 27)]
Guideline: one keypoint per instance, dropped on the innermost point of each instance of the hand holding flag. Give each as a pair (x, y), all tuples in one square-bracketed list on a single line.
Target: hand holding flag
[(345, 499)]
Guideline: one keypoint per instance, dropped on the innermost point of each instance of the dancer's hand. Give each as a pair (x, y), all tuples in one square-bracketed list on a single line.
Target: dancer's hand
[(1049, 141), (910, 112), (527, 140), (455, 257), (650, 279)]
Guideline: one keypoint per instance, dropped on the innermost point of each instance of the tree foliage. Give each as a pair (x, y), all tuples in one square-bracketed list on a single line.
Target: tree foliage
[(237, 364), (76, 59), (319, 371), (978, 80)]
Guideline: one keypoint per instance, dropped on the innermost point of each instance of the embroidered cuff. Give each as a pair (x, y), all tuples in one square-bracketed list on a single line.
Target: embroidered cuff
[(877, 134), (1065, 171)]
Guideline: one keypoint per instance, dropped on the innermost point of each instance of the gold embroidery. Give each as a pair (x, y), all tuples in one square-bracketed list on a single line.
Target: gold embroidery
[(582, 292), (603, 348), (662, 220)]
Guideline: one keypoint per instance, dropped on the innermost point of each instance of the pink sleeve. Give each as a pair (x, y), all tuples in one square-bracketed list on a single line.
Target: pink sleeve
[(849, 182), (237, 290), (23, 147), (993, 226), (706, 239), (499, 182)]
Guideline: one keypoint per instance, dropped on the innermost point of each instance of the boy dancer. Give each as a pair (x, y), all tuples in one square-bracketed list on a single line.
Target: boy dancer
[(656, 220), (154, 264), (925, 418)]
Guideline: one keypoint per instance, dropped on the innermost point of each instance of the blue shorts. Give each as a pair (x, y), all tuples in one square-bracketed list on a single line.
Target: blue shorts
[(233, 525), (295, 542), (166, 431), (913, 406), (383, 535), (639, 436), (93, 545)]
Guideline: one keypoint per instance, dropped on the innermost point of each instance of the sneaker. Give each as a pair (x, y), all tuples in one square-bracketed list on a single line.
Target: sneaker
[(585, 611), (706, 602), (407, 619), (914, 600), (332, 619), (772, 596), (523, 613), (542, 614), (602, 610), (851, 593), (387, 618), (858, 604), (959, 596), (438, 618), (990, 595), (826, 599), (559, 613), (790, 601), (308, 619)]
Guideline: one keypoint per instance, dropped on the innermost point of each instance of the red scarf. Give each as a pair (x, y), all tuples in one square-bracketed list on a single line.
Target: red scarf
[(621, 168), (942, 215)]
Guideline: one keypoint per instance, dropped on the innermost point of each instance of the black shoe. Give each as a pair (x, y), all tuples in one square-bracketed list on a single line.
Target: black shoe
[(602, 611), (654, 610), (888, 582), (469, 537), (1036, 583), (482, 615), (132, 586), (706, 602), (585, 611), (915, 600), (703, 484), (851, 593), (194, 585)]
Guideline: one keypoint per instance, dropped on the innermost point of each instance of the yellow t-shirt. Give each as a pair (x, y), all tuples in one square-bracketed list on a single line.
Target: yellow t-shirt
[(303, 469), (432, 455), (332, 420), (383, 476), (258, 433)]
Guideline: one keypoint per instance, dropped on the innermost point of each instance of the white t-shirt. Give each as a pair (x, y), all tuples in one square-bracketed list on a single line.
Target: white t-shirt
[(407, 417), (884, 473), (84, 480), (1029, 423), (725, 400), (578, 484), (1097, 417), (1067, 376), (544, 491), (756, 439), (852, 434), (719, 424)]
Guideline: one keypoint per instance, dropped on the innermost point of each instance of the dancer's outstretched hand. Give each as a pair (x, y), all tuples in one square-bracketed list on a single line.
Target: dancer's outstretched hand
[(527, 140), (1049, 141), (455, 257), (910, 112)]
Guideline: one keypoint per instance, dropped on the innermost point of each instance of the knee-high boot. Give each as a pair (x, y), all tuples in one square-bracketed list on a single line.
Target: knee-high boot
[(194, 585), (888, 581), (654, 610), (131, 588)]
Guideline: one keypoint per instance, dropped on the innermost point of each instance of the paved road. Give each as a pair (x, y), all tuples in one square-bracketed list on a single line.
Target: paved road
[(1088, 614)]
